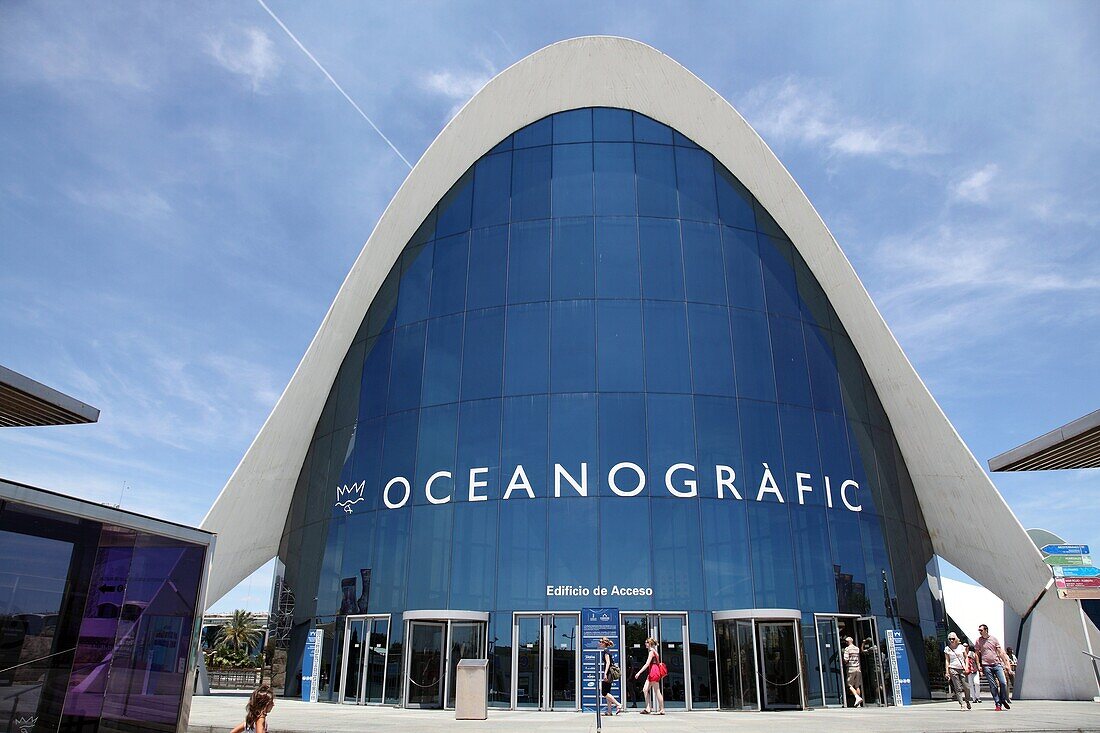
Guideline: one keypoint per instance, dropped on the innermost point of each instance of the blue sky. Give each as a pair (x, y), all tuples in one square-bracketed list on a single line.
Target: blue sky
[(182, 192)]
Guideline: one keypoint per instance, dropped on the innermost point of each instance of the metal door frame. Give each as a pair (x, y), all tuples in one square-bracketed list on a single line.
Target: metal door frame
[(443, 624), (370, 618), (546, 662), (821, 666), (444, 618), (878, 659), (653, 622)]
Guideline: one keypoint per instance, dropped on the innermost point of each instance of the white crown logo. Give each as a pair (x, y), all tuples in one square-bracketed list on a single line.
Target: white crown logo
[(25, 725), (346, 496)]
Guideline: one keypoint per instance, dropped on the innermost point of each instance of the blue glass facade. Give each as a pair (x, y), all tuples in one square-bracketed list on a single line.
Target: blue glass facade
[(595, 302)]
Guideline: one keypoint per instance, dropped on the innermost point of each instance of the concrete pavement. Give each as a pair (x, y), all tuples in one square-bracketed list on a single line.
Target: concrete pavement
[(220, 712)]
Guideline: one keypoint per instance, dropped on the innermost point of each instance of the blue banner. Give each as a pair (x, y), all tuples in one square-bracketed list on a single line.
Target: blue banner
[(1065, 550), (595, 624), (311, 665), (899, 668)]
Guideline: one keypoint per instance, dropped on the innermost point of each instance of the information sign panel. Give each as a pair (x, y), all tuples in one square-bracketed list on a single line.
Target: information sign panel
[(1065, 549), (1086, 571), (1068, 560), (899, 668), (595, 624), (311, 665)]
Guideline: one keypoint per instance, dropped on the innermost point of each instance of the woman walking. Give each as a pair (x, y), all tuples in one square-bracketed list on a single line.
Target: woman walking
[(610, 672), (654, 671), (954, 656), (972, 674), (259, 705)]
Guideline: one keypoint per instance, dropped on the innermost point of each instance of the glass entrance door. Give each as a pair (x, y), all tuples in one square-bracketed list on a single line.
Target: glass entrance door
[(829, 646), (670, 631), (466, 642), (425, 680), (737, 671), (780, 665), (363, 667), (546, 665), (874, 682)]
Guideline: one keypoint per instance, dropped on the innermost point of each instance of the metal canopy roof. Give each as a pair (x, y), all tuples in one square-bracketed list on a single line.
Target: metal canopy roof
[(1075, 445), (25, 403)]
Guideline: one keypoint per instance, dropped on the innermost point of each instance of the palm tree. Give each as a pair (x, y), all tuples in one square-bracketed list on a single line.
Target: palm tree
[(241, 632)]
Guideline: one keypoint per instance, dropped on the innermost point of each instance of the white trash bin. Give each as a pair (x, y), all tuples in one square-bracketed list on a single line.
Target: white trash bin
[(471, 689)]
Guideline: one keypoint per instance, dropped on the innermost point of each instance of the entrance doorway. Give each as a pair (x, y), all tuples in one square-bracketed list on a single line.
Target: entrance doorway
[(759, 656), (366, 643), (545, 661), (671, 632), (437, 641), (832, 632)]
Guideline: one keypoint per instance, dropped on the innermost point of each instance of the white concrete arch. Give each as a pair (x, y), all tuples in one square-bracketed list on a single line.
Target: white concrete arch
[(969, 522)]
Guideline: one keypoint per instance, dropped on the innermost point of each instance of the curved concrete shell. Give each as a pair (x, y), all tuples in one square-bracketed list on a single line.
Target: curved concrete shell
[(969, 523)]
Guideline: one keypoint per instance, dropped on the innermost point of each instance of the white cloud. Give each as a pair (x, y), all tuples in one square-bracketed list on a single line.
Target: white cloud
[(786, 110), (134, 204), (249, 53), (457, 86), (975, 187)]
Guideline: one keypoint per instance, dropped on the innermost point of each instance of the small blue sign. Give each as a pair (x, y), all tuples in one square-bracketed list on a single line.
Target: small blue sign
[(311, 665), (899, 668), (1077, 572), (595, 624), (1065, 550)]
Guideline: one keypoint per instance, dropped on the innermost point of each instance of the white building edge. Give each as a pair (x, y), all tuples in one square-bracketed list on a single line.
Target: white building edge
[(969, 522)]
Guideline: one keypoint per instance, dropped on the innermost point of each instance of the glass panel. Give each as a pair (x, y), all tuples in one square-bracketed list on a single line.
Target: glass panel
[(524, 442), (537, 133), (619, 327), (677, 546), (454, 208), (572, 186), (408, 367), (651, 131), (530, 183), (614, 179), (744, 280), (443, 360), (416, 280), (500, 659), (574, 126), (573, 346), (871, 661), (752, 355), (617, 269), (792, 379), (703, 272), (483, 354), (394, 664), (527, 349), (488, 268), (734, 200), (448, 291), (573, 266), (635, 632), (666, 355), (612, 124), (563, 671), (466, 642), (353, 660), (711, 350), (780, 291), (572, 560), (492, 190), (656, 170), (375, 673), (662, 260), (474, 553), (672, 652), (625, 542), (622, 438), (425, 665), (376, 376), (704, 688), (779, 659), (430, 550), (529, 262), (695, 181), (829, 648), (522, 579), (528, 661)]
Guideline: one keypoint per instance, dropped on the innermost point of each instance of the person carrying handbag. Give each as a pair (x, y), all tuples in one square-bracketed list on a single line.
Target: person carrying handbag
[(655, 670)]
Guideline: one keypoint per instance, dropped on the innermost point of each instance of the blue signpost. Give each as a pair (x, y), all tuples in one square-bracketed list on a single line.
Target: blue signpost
[(1065, 550), (899, 668), (311, 665), (1084, 571), (597, 623)]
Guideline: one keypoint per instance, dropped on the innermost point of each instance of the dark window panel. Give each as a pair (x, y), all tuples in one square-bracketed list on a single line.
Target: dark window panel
[(572, 184), (399, 449), (473, 580), (437, 442), (573, 440), (537, 133), (744, 280), (765, 224), (523, 553), (483, 354), (615, 189), (367, 463), (647, 130), (752, 355), (718, 438), (531, 184), (408, 368), (574, 126), (448, 290), (529, 262), (527, 349), (656, 171), (735, 203), (662, 259), (625, 531), (503, 145), (572, 262), (612, 125), (479, 425), (525, 441), (619, 330), (772, 555), (573, 529), (382, 314), (725, 537), (671, 438), (695, 182), (492, 190), (443, 360), (454, 208), (618, 274), (667, 366), (573, 346), (823, 369), (622, 438), (800, 455), (711, 350), (376, 376), (792, 377), (488, 268), (780, 290), (703, 269), (416, 282), (676, 549), (348, 382), (817, 586)]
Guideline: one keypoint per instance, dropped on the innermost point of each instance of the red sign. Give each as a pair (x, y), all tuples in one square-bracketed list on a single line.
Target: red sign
[(1071, 583)]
